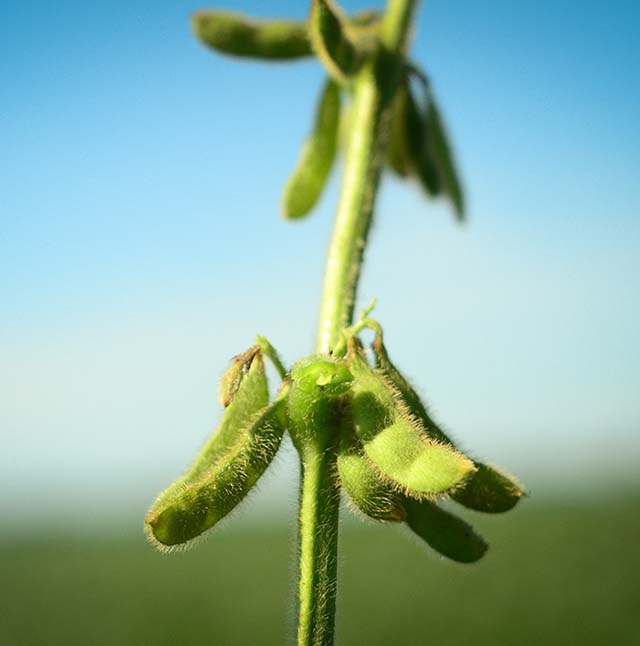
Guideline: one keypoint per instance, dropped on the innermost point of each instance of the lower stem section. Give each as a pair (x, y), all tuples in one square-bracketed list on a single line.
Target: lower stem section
[(318, 545)]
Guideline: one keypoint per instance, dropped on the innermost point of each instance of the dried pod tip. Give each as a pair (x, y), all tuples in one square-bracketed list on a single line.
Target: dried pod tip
[(232, 378)]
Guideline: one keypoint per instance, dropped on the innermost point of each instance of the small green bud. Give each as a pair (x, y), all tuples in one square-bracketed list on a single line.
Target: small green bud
[(367, 19), (396, 442), (321, 376), (444, 532), (238, 35), (332, 40), (316, 159), (188, 510), (315, 402)]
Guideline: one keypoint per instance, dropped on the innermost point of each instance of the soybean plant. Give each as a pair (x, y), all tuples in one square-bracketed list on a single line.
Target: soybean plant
[(356, 422)]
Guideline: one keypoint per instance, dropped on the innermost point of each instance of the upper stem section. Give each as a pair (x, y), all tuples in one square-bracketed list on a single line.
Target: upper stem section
[(373, 91)]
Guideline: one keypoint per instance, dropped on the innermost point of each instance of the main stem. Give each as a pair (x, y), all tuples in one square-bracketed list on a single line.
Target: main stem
[(320, 489)]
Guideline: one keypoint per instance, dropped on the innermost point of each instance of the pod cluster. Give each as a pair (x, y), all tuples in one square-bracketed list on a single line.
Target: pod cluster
[(393, 461), (396, 464), (418, 146)]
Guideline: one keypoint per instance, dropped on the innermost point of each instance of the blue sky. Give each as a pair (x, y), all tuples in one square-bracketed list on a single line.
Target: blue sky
[(141, 244)]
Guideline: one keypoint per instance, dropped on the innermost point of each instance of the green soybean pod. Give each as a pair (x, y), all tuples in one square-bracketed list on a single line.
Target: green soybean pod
[(487, 490), (239, 35), (314, 406), (197, 505), (309, 177), (398, 154), (395, 442), (444, 532), (332, 40), (418, 137), (368, 492), (250, 396), (441, 151)]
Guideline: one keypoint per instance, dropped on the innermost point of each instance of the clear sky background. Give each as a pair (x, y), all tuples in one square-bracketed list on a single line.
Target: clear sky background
[(141, 245)]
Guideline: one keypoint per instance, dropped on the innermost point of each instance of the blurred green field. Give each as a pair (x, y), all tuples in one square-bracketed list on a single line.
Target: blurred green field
[(557, 573)]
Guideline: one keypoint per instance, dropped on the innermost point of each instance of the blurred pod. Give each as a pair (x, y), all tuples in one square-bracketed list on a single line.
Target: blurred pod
[(250, 395), (197, 505), (487, 489), (438, 143), (444, 532), (395, 441), (419, 145), (305, 184), (398, 153), (239, 35), (369, 493), (333, 41)]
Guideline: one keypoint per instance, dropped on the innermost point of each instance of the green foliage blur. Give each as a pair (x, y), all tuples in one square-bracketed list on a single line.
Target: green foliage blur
[(556, 573)]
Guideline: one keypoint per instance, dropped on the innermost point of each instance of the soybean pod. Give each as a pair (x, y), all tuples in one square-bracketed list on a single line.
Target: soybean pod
[(443, 156), (333, 41), (308, 179), (487, 490), (398, 151), (246, 391), (195, 506), (395, 441), (369, 493), (418, 137), (238, 35), (444, 532)]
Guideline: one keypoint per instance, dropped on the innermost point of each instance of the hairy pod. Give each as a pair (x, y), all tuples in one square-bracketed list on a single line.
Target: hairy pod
[(314, 402), (487, 489), (369, 493), (305, 184), (239, 35), (333, 41), (247, 396), (444, 532), (395, 441), (197, 505)]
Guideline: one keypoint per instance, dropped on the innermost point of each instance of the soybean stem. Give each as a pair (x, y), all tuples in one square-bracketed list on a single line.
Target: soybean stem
[(319, 499), (318, 526), (373, 92)]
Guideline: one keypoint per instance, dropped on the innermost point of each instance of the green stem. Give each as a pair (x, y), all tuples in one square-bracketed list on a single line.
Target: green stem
[(318, 526), (373, 92), (319, 501)]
